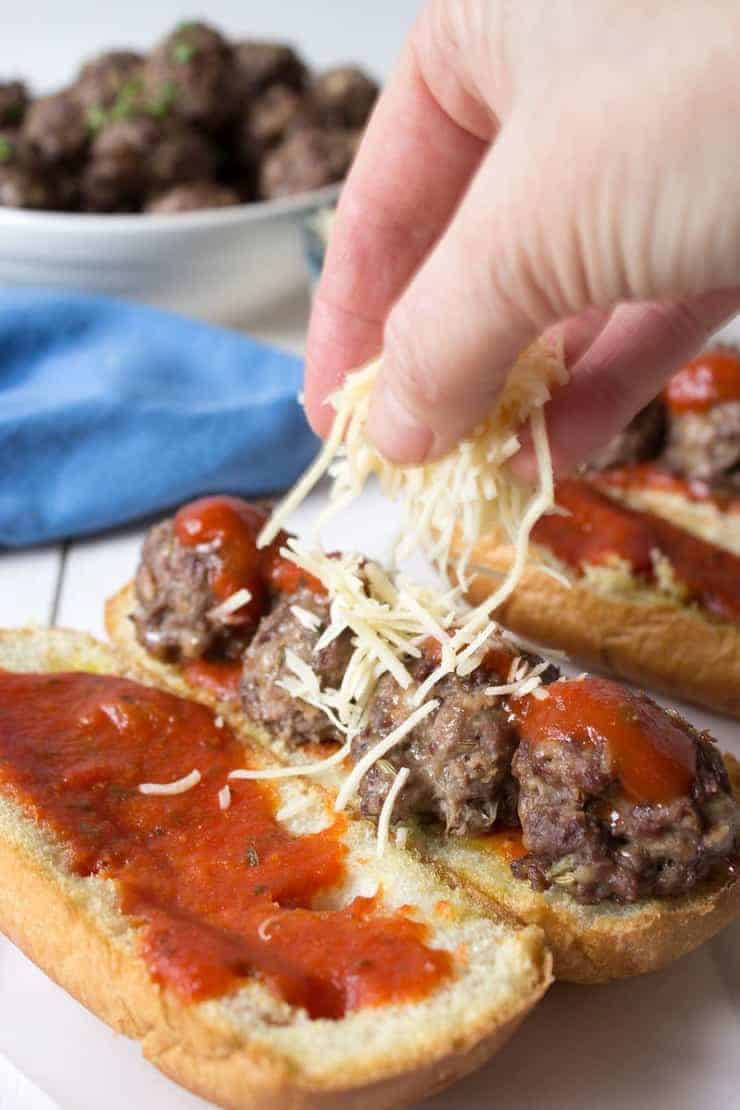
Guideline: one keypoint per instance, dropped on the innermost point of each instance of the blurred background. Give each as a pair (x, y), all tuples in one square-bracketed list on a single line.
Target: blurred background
[(44, 40)]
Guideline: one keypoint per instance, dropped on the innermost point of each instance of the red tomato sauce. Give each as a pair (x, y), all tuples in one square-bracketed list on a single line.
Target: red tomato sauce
[(652, 756), (599, 528), (712, 378), (219, 677), (219, 896), (654, 477), (231, 527)]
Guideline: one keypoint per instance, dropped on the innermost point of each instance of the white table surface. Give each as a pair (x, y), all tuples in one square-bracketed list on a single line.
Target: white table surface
[(664, 1042)]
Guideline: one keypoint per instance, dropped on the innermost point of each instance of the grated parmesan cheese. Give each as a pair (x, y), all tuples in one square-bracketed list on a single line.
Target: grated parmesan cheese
[(458, 497), (237, 600), (166, 789), (386, 813), (360, 769), (308, 619)]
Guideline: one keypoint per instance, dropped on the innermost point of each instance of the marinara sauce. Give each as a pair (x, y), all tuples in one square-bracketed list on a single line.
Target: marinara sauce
[(650, 476), (651, 754), (597, 528), (230, 527), (712, 378), (219, 895)]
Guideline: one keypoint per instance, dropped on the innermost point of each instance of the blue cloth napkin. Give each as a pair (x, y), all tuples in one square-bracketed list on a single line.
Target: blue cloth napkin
[(110, 411)]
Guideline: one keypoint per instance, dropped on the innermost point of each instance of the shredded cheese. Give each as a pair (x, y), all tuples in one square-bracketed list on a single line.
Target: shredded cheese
[(466, 492), (295, 771), (402, 835), (264, 927), (386, 813), (237, 600), (224, 797), (166, 789), (453, 499), (363, 765), (308, 619)]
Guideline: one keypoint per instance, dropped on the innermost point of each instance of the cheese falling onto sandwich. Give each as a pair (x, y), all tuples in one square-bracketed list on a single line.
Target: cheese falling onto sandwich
[(455, 499)]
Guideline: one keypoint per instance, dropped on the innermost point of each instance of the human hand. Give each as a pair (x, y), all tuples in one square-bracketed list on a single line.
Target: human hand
[(530, 165)]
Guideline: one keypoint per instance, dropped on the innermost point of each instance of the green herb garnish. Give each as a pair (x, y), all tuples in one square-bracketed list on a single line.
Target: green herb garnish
[(96, 118), (183, 52), (162, 101)]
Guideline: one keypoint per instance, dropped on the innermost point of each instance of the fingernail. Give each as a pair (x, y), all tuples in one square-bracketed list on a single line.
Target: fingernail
[(395, 431)]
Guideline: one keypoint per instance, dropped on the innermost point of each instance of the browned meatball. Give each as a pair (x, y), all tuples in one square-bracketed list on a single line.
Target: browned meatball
[(271, 117), (265, 669), (344, 97), (11, 147), (192, 71), (181, 155), (116, 178), (55, 129), (307, 159), (133, 158), (23, 187), (14, 101), (262, 64), (584, 831), (458, 758), (101, 80), (190, 198)]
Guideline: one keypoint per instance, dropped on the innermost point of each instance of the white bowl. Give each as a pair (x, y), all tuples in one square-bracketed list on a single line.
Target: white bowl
[(228, 265)]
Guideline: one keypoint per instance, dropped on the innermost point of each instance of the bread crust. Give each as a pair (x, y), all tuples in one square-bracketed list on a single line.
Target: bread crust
[(95, 964), (672, 648), (590, 944)]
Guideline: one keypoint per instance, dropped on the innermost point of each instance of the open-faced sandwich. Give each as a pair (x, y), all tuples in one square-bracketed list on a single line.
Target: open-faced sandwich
[(575, 804), (304, 856), (248, 936), (647, 547)]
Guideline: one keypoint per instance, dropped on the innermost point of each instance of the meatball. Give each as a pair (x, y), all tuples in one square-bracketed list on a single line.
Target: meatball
[(181, 155), (264, 700), (102, 79), (23, 187), (307, 159), (270, 118), (55, 130), (14, 101), (193, 71), (189, 198), (344, 97), (706, 444), (262, 64), (588, 833), (132, 158), (174, 616), (459, 757), (11, 147), (117, 175), (641, 440)]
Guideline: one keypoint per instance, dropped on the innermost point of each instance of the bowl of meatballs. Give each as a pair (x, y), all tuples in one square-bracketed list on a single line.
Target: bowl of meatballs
[(180, 177)]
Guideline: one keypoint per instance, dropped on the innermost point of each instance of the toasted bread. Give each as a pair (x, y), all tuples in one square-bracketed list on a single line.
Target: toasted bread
[(590, 944), (251, 1048), (642, 637)]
